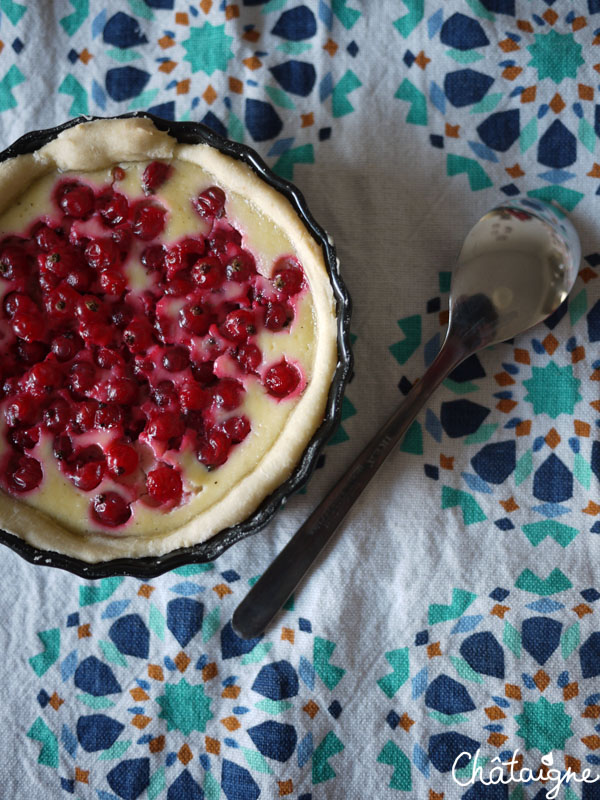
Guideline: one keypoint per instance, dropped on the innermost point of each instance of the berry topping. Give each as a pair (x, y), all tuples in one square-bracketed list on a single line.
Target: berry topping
[(75, 199), (165, 425), (111, 509), (155, 174), (210, 204), (281, 379), (57, 415), (240, 266), (153, 257), (193, 318), (66, 347), (113, 282), (176, 359), (236, 428), (287, 276), (122, 459), (208, 273), (23, 474), (28, 326), (82, 378), (15, 301), (239, 325), (110, 335), (214, 449), (101, 253), (62, 447), (278, 316), (148, 220), (138, 336), (164, 485), (192, 396), (21, 410), (248, 357), (227, 394), (113, 208)]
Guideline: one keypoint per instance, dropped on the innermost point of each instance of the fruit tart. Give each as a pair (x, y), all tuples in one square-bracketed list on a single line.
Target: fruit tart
[(167, 339)]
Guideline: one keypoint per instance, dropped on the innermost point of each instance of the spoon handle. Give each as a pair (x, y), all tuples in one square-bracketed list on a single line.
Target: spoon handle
[(277, 583)]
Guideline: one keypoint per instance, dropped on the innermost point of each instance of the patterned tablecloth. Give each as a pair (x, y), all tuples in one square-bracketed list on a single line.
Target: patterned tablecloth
[(458, 609)]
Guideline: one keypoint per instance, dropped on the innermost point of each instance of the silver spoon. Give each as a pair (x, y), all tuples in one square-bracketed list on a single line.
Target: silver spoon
[(516, 267)]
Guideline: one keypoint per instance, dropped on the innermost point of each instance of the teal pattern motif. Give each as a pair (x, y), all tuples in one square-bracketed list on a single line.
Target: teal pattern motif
[(163, 697)]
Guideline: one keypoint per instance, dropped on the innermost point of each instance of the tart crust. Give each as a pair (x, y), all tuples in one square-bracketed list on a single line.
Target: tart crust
[(100, 144)]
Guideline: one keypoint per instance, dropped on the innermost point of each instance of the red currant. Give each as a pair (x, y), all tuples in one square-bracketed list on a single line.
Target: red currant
[(239, 325), (208, 273), (236, 428), (66, 347), (47, 238), (113, 282), (76, 199), (13, 263), (57, 416), (164, 426), (122, 459), (281, 379), (148, 220), (24, 473), (165, 394), (240, 267), (108, 416), (138, 335), (102, 253), (164, 485), (23, 438), (249, 357), (213, 450), (43, 378), (83, 377), (176, 359), (228, 393), (113, 208), (193, 318), (22, 410), (111, 509), (15, 301), (28, 326), (288, 276), (155, 174), (210, 204), (62, 447), (278, 316), (153, 257), (192, 396)]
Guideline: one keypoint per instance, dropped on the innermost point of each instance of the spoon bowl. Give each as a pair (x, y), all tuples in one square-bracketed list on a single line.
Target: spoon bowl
[(516, 266)]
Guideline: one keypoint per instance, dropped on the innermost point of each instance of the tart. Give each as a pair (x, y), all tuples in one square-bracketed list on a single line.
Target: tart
[(167, 337)]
